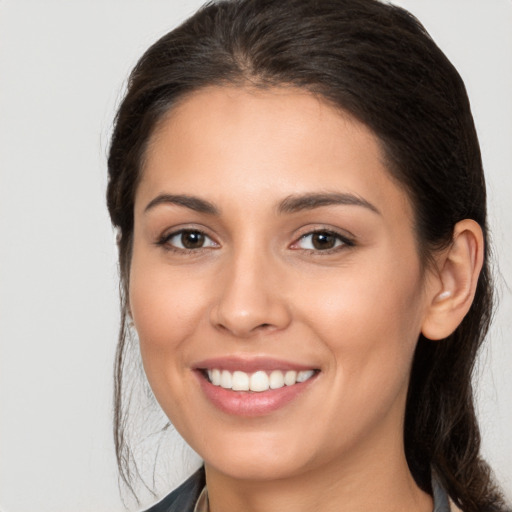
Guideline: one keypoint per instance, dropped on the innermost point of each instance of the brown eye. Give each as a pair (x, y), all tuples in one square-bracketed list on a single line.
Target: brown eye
[(192, 239), (322, 241), (187, 240)]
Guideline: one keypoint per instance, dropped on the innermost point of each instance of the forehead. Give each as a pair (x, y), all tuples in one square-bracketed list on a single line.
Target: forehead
[(262, 144)]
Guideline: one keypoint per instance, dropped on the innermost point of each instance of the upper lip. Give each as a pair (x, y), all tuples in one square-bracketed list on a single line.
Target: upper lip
[(250, 364)]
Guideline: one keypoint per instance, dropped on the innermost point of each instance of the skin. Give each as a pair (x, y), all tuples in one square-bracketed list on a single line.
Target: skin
[(259, 288)]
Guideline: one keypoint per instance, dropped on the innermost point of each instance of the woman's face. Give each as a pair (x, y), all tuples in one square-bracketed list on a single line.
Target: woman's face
[(274, 254)]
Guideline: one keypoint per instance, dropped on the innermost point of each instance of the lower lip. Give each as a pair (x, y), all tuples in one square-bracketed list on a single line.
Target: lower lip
[(250, 404)]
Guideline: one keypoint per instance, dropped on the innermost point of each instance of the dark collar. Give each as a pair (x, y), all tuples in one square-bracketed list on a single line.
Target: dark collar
[(183, 499)]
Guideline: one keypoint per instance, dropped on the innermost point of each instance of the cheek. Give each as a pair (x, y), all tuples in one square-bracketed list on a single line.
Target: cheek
[(370, 316), (370, 322), (166, 307)]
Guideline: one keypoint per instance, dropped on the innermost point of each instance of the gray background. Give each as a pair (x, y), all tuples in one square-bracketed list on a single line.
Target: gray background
[(62, 71)]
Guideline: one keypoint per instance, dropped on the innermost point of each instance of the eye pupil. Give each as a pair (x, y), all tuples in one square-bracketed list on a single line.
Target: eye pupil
[(192, 239), (323, 241)]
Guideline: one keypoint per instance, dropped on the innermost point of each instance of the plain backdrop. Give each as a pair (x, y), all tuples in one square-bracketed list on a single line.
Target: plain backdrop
[(63, 66)]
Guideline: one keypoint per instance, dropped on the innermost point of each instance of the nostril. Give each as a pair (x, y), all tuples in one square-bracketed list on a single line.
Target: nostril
[(244, 332), (248, 315), (264, 327)]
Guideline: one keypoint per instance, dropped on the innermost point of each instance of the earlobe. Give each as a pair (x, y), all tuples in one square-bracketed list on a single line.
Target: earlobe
[(455, 284)]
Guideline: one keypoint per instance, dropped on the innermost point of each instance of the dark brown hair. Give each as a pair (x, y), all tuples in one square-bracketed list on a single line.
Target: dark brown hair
[(376, 62)]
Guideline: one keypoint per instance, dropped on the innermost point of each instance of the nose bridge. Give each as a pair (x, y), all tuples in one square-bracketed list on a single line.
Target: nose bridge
[(249, 298)]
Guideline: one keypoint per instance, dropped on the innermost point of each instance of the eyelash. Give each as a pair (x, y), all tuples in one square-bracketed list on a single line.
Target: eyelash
[(344, 241), (341, 241), (164, 241)]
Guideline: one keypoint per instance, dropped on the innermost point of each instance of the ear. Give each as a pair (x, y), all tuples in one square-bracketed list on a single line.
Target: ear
[(453, 287)]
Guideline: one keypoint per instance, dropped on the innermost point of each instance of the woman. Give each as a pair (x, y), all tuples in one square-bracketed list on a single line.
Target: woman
[(300, 202)]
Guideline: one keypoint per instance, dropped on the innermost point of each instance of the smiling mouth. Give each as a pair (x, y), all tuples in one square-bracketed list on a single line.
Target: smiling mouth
[(258, 381)]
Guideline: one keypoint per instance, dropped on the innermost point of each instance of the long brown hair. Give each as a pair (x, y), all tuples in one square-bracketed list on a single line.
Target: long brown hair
[(378, 63)]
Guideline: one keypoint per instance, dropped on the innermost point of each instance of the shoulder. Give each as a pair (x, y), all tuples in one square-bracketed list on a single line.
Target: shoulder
[(182, 499)]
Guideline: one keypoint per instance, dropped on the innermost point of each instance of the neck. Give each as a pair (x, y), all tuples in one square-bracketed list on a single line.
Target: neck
[(379, 481)]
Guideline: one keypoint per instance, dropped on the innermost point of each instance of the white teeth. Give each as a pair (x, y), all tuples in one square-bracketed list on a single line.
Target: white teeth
[(215, 376), (240, 381), (276, 379), (226, 381), (304, 375), (290, 378), (258, 381)]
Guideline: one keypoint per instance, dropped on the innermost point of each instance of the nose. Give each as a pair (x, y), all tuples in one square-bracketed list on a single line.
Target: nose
[(251, 298)]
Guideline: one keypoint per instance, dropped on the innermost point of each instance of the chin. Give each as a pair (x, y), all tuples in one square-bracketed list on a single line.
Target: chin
[(256, 468), (258, 457)]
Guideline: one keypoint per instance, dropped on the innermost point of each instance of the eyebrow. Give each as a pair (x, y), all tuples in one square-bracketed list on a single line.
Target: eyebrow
[(191, 202), (290, 204), (296, 203)]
